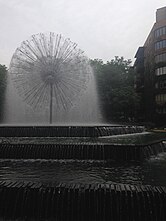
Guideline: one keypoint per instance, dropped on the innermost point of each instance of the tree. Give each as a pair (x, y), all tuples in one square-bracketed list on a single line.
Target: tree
[(115, 83), (3, 80), (3, 72)]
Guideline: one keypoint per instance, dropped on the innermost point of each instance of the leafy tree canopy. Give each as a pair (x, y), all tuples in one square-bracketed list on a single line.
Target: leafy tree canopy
[(3, 74), (115, 82), (3, 79), (3, 69)]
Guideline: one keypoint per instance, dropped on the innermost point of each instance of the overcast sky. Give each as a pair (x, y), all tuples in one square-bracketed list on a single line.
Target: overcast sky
[(101, 28)]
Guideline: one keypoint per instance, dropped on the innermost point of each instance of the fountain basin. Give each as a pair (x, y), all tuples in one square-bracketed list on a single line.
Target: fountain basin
[(75, 173)]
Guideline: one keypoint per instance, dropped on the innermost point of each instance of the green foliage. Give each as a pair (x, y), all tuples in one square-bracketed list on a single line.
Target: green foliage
[(3, 73), (3, 80), (115, 81)]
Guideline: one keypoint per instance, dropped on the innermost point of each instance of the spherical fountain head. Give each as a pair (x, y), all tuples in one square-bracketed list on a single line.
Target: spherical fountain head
[(50, 62)]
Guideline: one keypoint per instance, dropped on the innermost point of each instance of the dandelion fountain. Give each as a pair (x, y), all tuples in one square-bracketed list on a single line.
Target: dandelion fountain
[(92, 172), (51, 74)]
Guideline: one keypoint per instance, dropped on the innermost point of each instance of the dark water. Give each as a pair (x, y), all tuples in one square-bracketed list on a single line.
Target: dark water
[(150, 172)]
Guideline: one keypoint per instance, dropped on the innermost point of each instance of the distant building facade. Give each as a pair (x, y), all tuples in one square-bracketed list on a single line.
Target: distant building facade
[(150, 69)]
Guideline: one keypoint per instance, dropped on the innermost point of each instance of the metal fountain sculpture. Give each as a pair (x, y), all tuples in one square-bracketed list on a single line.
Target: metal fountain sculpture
[(49, 70)]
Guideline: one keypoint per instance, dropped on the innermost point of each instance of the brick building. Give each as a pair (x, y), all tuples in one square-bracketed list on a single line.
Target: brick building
[(150, 69)]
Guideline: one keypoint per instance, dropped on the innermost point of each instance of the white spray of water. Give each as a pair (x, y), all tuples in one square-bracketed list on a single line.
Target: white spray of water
[(86, 109)]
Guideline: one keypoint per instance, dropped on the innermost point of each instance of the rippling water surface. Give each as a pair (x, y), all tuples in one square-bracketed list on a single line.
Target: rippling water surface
[(51, 171)]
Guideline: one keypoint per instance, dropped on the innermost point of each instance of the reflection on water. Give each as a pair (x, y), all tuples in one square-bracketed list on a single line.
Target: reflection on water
[(51, 171), (135, 138), (155, 170)]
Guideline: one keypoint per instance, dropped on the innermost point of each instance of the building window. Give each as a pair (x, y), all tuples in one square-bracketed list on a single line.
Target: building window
[(160, 58), (161, 110), (162, 84), (161, 71), (160, 99), (159, 32), (160, 44)]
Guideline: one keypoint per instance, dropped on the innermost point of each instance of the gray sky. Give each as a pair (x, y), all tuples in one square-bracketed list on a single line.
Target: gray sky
[(101, 28)]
